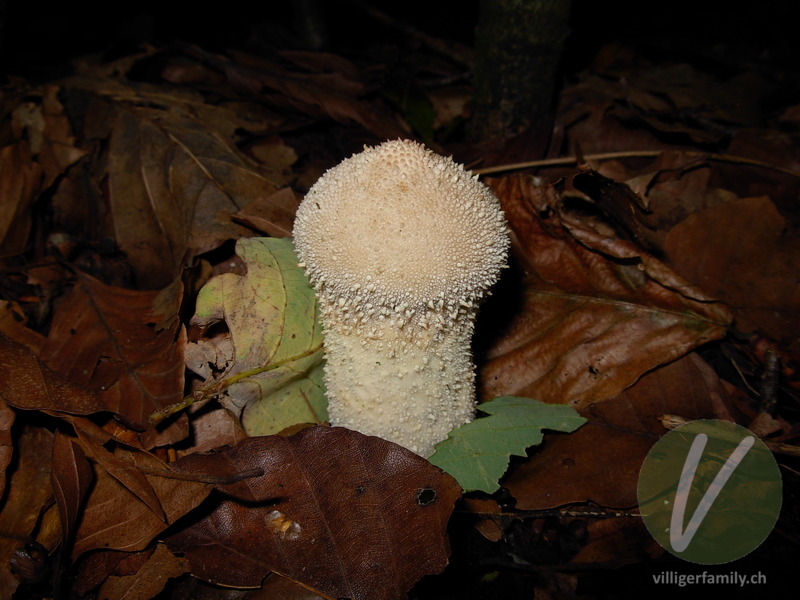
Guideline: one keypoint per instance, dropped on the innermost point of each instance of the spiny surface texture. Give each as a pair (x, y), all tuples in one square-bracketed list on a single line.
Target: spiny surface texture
[(400, 245)]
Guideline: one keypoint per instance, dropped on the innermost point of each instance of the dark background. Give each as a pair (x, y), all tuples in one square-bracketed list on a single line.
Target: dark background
[(37, 38)]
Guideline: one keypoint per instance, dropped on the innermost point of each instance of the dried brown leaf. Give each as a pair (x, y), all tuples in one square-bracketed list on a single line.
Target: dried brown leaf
[(191, 588), (116, 517), (58, 149), (742, 252), (27, 494), (322, 62), (334, 93), (614, 442), (598, 465), (276, 587), (125, 345), (274, 215), (20, 184), (587, 113), (122, 466), (94, 568), (6, 442), (12, 324), (29, 384), (349, 515), (680, 98), (643, 110), (596, 311), (275, 157), (149, 580), (173, 186), (70, 475), (214, 429), (614, 542), (168, 179)]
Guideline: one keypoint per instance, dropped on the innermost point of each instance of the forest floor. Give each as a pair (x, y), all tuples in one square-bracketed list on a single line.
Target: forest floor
[(144, 454)]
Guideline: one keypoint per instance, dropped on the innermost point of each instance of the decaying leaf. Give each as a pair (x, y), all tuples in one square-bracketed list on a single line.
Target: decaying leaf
[(148, 580), (596, 468), (27, 383), (13, 325), (596, 311), (274, 379), (274, 214), (352, 516), (741, 252), (118, 516), (70, 477), (6, 442), (620, 432), (324, 86), (24, 502), (20, 184), (125, 345), (214, 429), (166, 173)]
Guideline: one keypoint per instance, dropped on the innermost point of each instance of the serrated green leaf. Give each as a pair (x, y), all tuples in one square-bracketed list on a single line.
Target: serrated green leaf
[(271, 312), (477, 453)]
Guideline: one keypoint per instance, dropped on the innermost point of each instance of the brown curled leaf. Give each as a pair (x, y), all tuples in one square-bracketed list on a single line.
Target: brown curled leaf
[(595, 312)]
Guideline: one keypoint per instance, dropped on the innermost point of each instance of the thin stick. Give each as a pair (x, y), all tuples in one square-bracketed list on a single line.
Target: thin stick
[(220, 385), (570, 160), (201, 478)]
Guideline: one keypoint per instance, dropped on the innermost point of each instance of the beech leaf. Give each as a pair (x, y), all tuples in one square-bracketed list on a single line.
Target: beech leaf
[(619, 434), (71, 477), (6, 441), (125, 345), (477, 453), (595, 311), (173, 181), (20, 180), (121, 516), (347, 515), (274, 378), (28, 384), (26, 498), (149, 580), (741, 251)]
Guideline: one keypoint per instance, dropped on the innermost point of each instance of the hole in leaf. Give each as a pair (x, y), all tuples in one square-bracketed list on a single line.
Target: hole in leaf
[(425, 496)]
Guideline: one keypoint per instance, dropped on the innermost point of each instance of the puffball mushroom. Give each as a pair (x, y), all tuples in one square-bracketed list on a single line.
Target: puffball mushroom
[(400, 245)]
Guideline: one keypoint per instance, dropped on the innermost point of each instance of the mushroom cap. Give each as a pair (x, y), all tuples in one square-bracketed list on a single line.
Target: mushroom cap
[(402, 227)]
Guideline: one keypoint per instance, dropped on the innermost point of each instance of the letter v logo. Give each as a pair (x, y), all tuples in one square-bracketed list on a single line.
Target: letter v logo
[(720, 477), (680, 539)]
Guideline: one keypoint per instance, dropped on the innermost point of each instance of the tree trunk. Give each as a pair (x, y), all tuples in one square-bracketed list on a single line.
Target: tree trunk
[(518, 48)]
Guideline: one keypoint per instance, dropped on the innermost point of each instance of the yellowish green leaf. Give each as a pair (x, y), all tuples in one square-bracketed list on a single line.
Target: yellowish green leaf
[(272, 376)]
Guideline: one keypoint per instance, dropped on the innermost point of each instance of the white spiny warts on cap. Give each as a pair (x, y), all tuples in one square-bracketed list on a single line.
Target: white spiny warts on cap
[(400, 245)]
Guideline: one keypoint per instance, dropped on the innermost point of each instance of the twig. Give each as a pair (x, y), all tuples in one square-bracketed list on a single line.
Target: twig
[(221, 385), (597, 513), (569, 160), (673, 421), (202, 478)]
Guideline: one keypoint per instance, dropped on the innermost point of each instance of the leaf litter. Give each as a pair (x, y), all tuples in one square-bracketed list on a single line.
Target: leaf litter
[(658, 283)]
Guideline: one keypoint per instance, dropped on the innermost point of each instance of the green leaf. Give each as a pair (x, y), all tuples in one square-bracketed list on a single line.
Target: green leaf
[(477, 453), (273, 377)]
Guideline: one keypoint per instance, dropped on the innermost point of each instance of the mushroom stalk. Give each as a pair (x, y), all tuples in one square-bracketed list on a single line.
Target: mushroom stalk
[(400, 245)]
